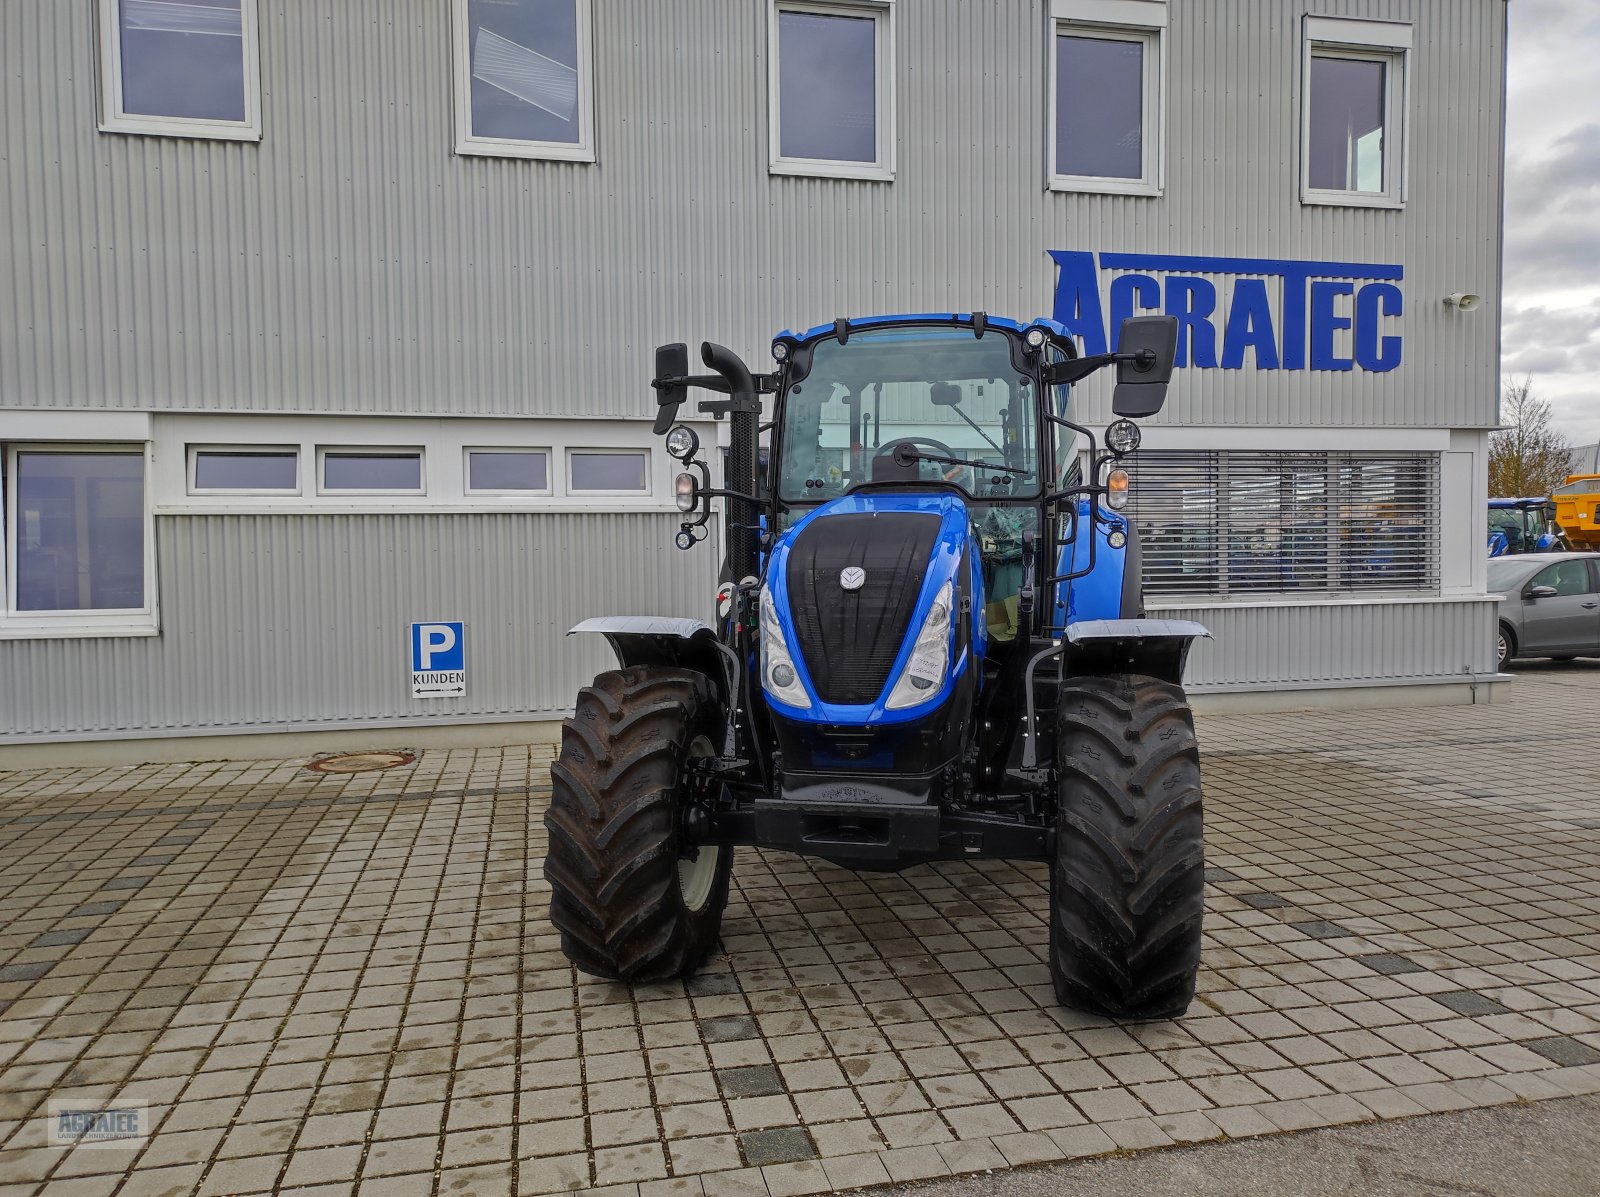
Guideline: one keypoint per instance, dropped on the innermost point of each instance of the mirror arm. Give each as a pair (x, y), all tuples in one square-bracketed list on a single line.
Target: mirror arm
[(1078, 368)]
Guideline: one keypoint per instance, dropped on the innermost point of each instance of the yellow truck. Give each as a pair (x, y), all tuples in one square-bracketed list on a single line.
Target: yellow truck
[(1577, 504)]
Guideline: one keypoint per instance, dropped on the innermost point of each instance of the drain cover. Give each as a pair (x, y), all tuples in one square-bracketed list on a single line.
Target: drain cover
[(361, 762)]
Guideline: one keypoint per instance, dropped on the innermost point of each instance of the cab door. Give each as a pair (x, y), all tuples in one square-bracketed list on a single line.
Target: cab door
[(1567, 621)]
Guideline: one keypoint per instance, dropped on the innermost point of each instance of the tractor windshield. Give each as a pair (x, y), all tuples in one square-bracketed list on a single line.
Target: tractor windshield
[(913, 403)]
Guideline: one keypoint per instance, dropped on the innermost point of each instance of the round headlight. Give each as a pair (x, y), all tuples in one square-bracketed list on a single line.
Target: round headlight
[(1034, 337), (682, 441), (1117, 489), (782, 676), (780, 351), (1123, 437), (686, 491), (684, 539)]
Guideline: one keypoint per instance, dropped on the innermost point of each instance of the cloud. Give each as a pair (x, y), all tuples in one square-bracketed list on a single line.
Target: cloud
[(1550, 322)]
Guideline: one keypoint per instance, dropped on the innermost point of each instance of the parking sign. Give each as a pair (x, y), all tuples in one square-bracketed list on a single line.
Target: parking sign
[(438, 659)]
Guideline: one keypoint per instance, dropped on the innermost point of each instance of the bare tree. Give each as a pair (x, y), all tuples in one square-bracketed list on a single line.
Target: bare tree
[(1529, 457)]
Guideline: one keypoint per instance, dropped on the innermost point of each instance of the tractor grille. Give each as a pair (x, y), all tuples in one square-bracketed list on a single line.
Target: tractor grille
[(849, 638)]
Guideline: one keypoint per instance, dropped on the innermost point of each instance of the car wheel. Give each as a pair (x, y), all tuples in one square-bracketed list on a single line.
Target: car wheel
[(1507, 647)]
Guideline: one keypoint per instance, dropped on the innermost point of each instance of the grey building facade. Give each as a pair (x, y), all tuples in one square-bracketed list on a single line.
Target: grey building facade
[(321, 318)]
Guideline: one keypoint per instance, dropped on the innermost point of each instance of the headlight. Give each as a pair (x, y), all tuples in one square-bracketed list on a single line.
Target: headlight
[(1123, 437), (1117, 489), (682, 442), (930, 655), (779, 678), (687, 491)]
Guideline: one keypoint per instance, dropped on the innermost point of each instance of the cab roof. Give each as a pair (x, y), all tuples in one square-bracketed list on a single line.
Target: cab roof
[(816, 332)]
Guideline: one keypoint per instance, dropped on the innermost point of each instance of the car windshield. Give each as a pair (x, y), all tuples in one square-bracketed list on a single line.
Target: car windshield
[(930, 392)]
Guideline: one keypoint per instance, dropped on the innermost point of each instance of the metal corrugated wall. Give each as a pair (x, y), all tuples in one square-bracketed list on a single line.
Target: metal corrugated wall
[(350, 262), (303, 621), (1375, 644)]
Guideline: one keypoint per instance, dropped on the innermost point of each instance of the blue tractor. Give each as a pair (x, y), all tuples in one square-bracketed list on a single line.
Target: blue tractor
[(1524, 526), (929, 644)]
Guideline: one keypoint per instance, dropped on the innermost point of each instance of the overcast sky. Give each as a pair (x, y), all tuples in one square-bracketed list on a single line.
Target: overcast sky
[(1551, 325)]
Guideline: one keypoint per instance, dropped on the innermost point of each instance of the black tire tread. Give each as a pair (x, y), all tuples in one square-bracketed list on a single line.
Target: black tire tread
[(613, 827), (1127, 893)]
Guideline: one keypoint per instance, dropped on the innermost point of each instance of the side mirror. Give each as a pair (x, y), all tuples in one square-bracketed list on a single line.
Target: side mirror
[(672, 362), (1142, 380), (945, 394), (1539, 592)]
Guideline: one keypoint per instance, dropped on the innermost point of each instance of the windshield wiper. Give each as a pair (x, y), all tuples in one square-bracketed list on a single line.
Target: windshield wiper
[(904, 455)]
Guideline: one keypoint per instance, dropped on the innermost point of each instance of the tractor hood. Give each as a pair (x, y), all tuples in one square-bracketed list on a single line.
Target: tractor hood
[(849, 593)]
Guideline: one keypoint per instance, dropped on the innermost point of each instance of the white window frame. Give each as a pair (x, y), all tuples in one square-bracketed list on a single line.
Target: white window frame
[(886, 136), (114, 119), (371, 451), (466, 470), (192, 454), (1140, 21), (467, 142), (607, 451), (1365, 41), (60, 625)]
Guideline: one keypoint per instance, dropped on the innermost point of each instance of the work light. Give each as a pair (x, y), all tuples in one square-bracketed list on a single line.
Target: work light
[(1123, 437), (682, 442), (780, 351), (1034, 337)]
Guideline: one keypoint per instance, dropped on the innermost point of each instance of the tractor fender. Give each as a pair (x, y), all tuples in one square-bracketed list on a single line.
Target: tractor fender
[(663, 640), (1157, 648)]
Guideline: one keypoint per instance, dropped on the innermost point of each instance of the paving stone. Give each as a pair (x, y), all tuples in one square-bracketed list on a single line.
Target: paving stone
[(780, 1145), (1321, 929), (1465, 1001), (1390, 964), (25, 972), (1563, 1050), (95, 910), (729, 1029), (756, 1081), (61, 939), (1264, 901)]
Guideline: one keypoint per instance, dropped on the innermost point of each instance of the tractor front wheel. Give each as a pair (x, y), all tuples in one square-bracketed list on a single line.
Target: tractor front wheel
[(632, 899), (1127, 889)]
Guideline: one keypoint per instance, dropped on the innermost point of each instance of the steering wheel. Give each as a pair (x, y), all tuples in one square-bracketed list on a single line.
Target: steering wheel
[(947, 472)]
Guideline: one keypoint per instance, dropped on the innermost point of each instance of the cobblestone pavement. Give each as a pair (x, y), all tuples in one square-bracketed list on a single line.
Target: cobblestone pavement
[(326, 984)]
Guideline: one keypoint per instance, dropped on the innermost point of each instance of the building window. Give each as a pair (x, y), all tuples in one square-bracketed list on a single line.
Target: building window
[(524, 86), (831, 89), (508, 471), (79, 555), (1353, 112), (622, 472), (188, 69), (372, 471), (1236, 524), (1106, 96), (252, 470)]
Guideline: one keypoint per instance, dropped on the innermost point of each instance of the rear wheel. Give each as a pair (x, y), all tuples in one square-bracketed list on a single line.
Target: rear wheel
[(632, 900), (1127, 889)]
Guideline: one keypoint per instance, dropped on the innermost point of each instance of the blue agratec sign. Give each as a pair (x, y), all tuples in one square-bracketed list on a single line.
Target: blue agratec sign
[(1271, 314)]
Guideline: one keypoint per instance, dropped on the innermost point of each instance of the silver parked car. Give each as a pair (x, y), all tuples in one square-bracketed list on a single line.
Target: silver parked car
[(1551, 606)]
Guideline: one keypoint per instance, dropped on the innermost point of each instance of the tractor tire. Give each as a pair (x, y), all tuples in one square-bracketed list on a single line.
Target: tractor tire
[(631, 903), (1128, 877)]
